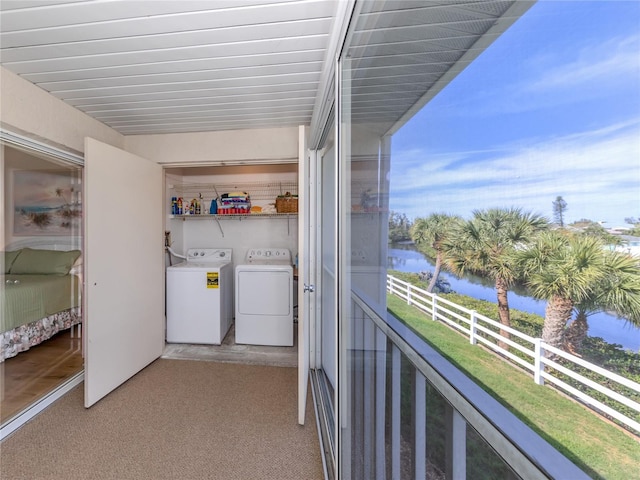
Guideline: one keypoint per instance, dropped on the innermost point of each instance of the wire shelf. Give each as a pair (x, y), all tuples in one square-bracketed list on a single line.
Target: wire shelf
[(268, 191)]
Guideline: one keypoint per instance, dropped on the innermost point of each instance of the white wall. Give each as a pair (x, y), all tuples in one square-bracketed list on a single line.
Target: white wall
[(29, 110), (239, 234), (233, 147)]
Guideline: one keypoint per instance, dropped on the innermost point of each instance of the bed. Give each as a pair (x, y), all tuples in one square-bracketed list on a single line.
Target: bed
[(40, 296)]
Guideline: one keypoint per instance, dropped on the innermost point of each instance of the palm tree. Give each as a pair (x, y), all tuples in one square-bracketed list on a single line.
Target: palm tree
[(429, 234), (618, 292), (486, 245), (576, 272), (60, 193)]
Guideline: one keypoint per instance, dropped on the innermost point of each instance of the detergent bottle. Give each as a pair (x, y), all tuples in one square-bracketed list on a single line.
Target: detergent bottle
[(213, 209)]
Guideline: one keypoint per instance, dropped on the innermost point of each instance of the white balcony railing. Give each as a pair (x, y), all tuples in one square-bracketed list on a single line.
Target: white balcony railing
[(410, 413), (532, 357)]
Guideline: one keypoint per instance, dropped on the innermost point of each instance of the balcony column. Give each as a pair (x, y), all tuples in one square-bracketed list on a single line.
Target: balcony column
[(369, 396), (381, 388), (395, 412), (419, 408), (456, 446)]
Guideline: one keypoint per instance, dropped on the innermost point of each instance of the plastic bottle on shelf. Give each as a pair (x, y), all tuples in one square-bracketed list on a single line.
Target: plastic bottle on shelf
[(213, 209)]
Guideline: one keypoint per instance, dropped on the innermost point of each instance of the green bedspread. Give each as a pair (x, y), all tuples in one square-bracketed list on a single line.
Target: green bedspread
[(35, 297)]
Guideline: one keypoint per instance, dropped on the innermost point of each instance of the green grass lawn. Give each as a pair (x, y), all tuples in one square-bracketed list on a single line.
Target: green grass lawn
[(602, 450)]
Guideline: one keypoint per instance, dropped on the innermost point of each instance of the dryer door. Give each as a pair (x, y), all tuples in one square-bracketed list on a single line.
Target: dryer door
[(264, 292)]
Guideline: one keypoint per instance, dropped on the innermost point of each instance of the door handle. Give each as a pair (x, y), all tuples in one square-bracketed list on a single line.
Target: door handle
[(309, 288)]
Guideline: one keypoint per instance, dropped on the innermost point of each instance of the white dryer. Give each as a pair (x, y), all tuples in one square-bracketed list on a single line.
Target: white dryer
[(200, 297), (264, 298)]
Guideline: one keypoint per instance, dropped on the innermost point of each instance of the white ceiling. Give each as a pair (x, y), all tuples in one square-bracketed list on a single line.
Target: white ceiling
[(158, 66)]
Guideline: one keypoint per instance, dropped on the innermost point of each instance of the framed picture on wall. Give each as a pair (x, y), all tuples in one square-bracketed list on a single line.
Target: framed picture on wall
[(47, 202)]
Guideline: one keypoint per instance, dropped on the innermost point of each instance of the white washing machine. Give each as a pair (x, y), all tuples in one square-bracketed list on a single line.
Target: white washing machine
[(200, 297), (264, 298)]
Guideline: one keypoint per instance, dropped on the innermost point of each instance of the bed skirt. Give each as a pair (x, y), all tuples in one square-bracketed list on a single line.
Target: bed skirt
[(26, 336)]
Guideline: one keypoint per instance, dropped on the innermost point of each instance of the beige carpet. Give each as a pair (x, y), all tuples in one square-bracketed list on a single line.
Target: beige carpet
[(176, 419)]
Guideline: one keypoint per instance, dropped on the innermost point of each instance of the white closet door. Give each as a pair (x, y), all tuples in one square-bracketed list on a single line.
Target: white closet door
[(124, 288), (305, 310)]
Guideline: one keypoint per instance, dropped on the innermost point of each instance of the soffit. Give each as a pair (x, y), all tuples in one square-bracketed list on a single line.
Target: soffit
[(145, 67), (401, 54)]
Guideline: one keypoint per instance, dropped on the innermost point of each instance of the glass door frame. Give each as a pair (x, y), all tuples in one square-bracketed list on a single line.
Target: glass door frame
[(324, 394), (12, 140)]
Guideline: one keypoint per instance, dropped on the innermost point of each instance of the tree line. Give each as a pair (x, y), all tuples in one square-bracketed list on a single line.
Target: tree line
[(572, 270)]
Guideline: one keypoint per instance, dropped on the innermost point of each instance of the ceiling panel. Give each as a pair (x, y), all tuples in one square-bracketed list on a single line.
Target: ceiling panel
[(160, 42), (148, 90), (298, 105), (193, 76), (226, 97), (8, 5), (108, 19), (203, 94), (179, 66), (194, 65), (135, 58)]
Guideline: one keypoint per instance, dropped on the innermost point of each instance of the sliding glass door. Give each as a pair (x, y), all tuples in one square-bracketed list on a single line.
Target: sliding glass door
[(40, 319), (328, 261), (323, 352)]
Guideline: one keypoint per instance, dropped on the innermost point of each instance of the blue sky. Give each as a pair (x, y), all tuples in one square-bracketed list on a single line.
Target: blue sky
[(551, 108)]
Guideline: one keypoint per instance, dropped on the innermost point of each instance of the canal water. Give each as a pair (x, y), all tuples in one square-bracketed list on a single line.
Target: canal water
[(406, 258)]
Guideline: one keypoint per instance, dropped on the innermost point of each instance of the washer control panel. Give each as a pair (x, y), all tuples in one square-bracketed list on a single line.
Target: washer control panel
[(209, 254), (269, 254)]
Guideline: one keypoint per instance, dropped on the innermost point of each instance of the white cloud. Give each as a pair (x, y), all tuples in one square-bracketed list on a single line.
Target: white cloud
[(548, 80), (613, 60), (597, 172)]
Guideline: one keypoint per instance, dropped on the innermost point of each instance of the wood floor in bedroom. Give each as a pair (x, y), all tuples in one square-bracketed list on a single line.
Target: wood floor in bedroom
[(30, 375)]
